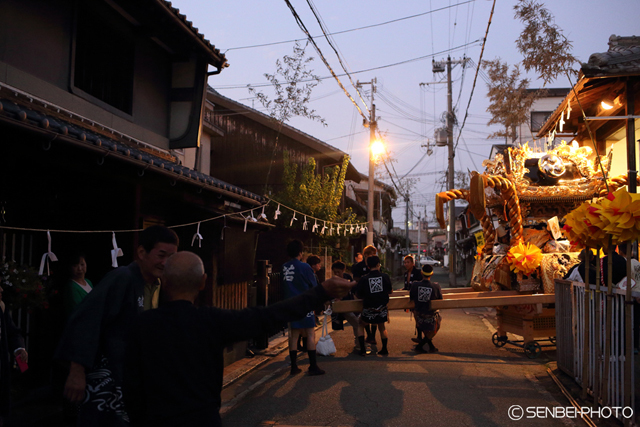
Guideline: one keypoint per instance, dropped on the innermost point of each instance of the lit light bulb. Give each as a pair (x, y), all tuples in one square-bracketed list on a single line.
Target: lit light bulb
[(377, 148)]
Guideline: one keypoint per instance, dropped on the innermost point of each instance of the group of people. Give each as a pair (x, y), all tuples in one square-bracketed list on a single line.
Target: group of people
[(374, 287), (139, 351)]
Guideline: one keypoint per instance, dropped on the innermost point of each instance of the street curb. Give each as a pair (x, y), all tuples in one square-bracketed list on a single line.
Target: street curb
[(279, 346)]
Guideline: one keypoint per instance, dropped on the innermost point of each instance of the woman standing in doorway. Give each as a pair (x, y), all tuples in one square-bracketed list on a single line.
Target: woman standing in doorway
[(78, 285)]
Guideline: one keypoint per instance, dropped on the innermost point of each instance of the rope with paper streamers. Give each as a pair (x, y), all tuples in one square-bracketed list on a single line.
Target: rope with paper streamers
[(116, 252)]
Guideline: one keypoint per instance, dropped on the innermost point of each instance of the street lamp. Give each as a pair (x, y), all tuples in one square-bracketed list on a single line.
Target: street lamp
[(377, 149)]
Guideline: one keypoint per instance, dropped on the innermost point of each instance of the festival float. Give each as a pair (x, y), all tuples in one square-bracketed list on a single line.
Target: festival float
[(523, 200)]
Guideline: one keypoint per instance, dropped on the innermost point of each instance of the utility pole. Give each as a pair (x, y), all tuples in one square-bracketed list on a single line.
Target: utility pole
[(372, 166), (419, 232), (452, 205), (406, 222), (438, 68)]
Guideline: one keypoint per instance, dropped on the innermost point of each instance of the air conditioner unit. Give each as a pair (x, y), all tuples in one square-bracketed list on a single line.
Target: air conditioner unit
[(441, 137)]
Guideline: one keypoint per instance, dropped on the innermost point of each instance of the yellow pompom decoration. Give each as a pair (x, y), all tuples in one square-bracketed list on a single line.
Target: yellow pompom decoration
[(616, 215), (479, 254), (524, 258)]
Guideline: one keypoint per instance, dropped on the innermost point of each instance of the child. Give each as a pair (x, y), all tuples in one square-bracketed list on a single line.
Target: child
[(427, 320), (374, 290)]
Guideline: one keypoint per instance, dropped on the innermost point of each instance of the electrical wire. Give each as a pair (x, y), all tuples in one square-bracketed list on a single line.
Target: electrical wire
[(326, 63), (430, 12), (333, 45), (475, 78), (244, 86)]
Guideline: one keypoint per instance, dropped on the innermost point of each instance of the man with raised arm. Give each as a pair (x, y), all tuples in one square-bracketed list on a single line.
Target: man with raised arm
[(174, 366)]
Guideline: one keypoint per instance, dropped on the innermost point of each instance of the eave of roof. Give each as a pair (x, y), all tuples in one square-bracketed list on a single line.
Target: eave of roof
[(621, 60), (44, 118), (217, 59), (321, 147), (168, 27)]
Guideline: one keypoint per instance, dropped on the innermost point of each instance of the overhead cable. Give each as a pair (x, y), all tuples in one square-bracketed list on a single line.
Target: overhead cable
[(244, 86), (354, 29), (335, 50), (304, 29), (475, 78)]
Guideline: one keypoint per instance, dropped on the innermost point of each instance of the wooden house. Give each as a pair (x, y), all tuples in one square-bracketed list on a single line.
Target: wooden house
[(101, 117), (247, 149)]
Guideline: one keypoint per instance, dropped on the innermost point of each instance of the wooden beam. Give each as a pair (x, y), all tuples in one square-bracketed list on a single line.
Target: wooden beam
[(456, 290), (467, 294), (488, 300)]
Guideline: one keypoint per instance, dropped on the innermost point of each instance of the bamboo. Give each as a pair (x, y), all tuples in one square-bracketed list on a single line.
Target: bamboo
[(628, 331), (585, 331), (597, 343), (632, 170), (607, 335)]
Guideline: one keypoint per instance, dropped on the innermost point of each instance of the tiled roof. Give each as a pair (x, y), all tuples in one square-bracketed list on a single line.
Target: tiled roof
[(197, 33), (311, 141), (622, 58), (37, 115)]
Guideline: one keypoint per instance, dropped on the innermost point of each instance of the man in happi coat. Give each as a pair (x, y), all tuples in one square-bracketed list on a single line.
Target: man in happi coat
[(94, 339)]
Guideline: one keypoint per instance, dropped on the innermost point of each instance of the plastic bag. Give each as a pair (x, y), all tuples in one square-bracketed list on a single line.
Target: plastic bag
[(325, 345)]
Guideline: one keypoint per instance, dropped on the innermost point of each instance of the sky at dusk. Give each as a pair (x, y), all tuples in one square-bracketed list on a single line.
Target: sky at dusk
[(408, 112)]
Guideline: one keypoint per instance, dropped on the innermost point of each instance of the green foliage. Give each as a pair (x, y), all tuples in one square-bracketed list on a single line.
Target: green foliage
[(545, 49), (316, 195)]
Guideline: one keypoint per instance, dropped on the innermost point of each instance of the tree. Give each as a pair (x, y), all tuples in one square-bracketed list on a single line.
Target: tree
[(510, 102), (317, 195), (293, 84), (545, 49)]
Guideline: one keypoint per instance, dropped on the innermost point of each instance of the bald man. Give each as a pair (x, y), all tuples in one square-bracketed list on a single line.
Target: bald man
[(174, 369)]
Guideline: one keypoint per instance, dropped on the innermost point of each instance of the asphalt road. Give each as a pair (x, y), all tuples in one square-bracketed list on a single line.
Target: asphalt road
[(468, 383)]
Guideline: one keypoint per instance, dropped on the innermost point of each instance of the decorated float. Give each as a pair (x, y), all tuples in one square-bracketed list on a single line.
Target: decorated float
[(523, 200)]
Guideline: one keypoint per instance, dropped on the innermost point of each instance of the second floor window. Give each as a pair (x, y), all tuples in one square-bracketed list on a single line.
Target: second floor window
[(104, 56), (538, 118)]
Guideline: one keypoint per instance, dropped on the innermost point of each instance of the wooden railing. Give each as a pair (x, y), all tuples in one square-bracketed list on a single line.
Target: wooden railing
[(233, 296)]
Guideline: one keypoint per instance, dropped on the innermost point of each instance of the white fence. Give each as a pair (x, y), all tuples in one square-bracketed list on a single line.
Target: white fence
[(575, 347)]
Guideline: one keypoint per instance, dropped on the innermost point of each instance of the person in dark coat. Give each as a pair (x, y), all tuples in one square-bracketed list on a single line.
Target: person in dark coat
[(11, 345), (94, 339), (174, 364), (427, 320), (374, 290), (360, 270), (298, 277), (412, 274)]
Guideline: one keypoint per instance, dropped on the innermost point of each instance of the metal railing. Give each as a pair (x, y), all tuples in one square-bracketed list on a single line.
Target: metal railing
[(608, 384)]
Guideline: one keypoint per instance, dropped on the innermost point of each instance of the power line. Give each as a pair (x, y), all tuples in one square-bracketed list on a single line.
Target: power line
[(475, 78), (331, 43), (244, 86), (304, 29), (355, 29)]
